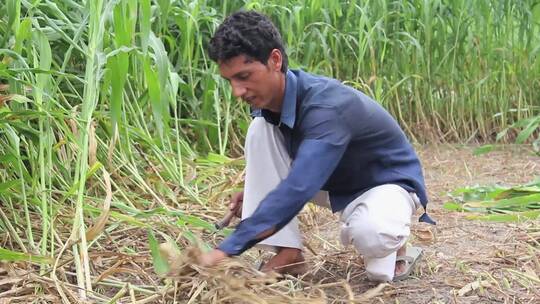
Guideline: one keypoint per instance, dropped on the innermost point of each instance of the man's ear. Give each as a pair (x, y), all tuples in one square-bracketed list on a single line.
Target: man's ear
[(275, 60)]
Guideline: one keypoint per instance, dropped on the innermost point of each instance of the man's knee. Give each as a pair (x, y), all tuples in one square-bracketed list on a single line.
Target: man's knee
[(370, 239)]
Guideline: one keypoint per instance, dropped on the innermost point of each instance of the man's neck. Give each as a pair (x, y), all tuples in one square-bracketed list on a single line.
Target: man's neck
[(276, 106)]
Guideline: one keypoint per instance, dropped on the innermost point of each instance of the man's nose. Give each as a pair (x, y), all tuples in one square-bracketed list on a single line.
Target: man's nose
[(238, 90)]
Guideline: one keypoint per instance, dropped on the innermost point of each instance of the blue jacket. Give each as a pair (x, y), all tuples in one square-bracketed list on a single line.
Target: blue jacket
[(340, 141)]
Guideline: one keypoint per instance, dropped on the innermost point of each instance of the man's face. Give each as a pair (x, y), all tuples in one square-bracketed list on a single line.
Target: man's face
[(260, 85)]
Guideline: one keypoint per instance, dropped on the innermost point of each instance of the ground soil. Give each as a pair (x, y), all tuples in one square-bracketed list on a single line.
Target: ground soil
[(464, 261), (501, 257)]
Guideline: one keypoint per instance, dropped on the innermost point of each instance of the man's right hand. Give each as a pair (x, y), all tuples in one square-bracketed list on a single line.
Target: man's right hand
[(235, 205)]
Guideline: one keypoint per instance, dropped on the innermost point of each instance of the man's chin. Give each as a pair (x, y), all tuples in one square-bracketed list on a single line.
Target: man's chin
[(260, 105)]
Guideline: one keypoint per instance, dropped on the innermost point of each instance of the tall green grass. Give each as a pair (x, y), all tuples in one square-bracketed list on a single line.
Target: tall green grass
[(451, 70), (124, 88)]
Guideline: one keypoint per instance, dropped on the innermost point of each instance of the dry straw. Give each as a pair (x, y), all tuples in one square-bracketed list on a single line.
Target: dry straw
[(233, 281), (230, 282)]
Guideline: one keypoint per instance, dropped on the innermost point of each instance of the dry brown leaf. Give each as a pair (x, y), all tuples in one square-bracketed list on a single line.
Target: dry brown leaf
[(10, 281), (530, 272), (373, 292), (95, 230), (4, 99), (424, 234), (110, 149), (92, 144), (473, 286), (73, 123)]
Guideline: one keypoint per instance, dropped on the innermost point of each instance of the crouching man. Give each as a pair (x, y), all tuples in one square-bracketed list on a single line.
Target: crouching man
[(314, 138)]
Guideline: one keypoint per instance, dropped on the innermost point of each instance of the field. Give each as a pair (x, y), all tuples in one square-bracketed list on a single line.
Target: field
[(117, 133)]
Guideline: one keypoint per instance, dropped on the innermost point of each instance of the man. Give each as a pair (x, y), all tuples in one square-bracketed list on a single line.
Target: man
[(312, 133)]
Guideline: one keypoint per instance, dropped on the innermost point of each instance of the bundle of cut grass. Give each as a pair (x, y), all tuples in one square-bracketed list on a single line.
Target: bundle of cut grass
[(230, 282)]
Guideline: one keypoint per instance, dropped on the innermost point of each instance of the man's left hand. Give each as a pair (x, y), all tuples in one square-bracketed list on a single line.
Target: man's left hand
[(212, 258)]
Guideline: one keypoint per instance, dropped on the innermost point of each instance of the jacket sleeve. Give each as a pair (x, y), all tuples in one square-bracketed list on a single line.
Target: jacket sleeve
[(325, 137)]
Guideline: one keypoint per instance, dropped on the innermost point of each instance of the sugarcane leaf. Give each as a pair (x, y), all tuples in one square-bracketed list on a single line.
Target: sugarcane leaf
[(194, 240), (536, 11), (453, 206), (8, 159), (196, 222), (118, 66), (510, 217), (513, 192), (483, 150), (213, 158), (528, 130), (23, 33), (478, 193), (519, 201), (7, 186), (161, 266), (146, 16), (45, 60), (154, 93), (128, 219), (14, 256)]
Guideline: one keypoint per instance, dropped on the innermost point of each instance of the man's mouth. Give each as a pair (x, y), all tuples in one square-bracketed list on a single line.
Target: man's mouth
[(249, 99)]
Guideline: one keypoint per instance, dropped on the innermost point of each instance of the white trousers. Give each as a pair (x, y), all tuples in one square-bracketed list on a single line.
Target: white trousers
[(377, 223)]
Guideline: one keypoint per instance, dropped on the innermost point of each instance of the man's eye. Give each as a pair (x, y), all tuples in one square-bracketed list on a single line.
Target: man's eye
[(243, 76)]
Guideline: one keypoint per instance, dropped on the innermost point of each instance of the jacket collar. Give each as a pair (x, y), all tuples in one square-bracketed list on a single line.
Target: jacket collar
[(288, 108)]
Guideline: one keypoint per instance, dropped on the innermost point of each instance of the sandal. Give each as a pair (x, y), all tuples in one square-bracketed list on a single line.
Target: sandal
[(411, 258)]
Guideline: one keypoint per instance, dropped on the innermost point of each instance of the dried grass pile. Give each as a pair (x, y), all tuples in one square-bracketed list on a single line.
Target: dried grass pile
[(231, 282)]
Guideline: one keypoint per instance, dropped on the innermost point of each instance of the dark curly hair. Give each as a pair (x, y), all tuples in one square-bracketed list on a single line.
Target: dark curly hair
[(246, 33)]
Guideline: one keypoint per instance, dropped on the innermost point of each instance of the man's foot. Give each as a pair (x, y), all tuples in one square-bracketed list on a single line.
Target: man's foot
[(286, 261), (406, 261), (400, 265)]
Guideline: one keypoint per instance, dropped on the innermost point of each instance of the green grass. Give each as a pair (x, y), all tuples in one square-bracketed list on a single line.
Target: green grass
[(498, 203)]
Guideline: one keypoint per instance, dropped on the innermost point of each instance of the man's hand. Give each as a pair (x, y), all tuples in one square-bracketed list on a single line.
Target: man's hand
[(235, 205), (212, 258)]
